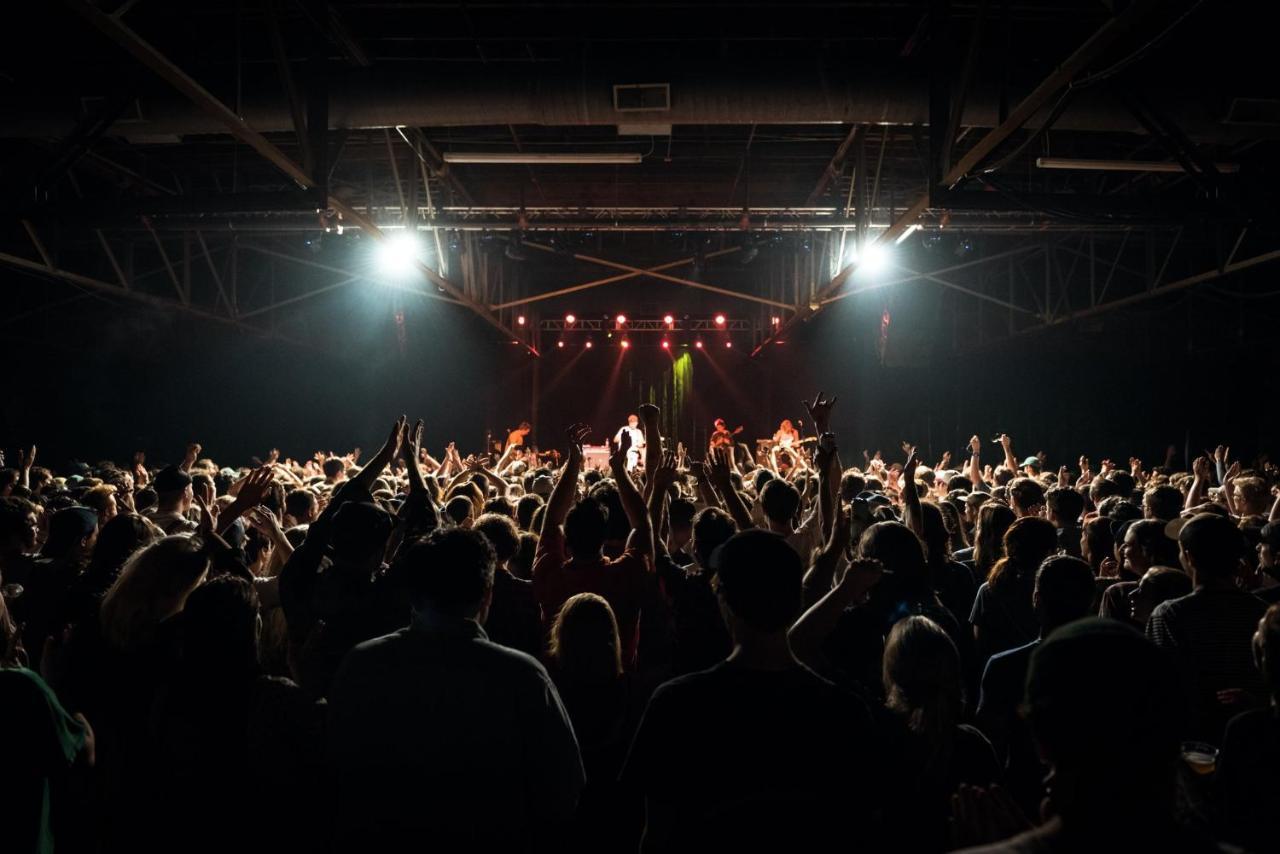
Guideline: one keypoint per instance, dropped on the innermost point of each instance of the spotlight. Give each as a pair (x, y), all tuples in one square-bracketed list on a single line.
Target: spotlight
[(666, 345), (560, 343), (520, 320), (398, 253), (775, 320), (621, 319), (569, 319), (719, 320), (588, 345), (874, 259), (668, 319), (626, 345), (728, 345), (698, 344)]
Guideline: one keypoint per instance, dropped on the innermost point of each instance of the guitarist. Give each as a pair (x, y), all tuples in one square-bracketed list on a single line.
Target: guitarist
[(721, 437)]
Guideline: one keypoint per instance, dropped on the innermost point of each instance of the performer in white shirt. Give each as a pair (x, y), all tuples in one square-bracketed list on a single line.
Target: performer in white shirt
[(635, 452)]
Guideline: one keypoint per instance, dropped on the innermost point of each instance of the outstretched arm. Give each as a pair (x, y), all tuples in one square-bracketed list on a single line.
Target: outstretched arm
[(816, 624), (1010, 461), (641, 539), (912, 514), (566, 488), (732, 500), (1199, 483), (649, 417), (975, 467)]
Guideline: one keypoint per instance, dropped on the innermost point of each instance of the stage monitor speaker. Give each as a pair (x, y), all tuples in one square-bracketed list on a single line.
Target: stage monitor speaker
[(595, 456)]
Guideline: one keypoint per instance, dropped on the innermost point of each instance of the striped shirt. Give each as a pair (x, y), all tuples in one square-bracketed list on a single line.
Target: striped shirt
[(1211, 633)]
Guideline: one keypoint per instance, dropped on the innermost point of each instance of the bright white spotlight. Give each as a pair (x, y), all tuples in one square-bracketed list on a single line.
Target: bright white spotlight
[(874, 259), (398, 253)]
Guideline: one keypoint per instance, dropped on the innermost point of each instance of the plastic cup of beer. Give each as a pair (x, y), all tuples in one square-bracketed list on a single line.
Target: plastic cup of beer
[(1200, 757)]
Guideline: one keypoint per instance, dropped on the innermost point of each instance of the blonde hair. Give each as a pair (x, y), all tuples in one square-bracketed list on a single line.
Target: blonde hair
[(584, 640), (153, 586)]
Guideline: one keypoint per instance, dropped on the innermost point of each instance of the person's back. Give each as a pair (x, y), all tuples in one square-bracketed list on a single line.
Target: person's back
[(758, 750), (1247, 776), (435, 732), (1210, 629)]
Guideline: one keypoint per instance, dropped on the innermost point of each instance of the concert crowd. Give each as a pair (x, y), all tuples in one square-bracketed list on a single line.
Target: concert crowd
[(675, 650)]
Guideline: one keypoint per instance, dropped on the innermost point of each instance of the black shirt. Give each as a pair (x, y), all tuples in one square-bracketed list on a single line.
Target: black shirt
[(748, 757), (1248, 779)]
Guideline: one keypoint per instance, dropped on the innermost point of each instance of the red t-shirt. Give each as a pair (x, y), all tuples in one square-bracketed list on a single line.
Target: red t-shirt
[(625, 583)]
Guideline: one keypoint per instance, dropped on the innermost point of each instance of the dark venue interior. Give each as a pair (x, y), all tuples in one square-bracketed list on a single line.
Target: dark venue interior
[(261, 230)]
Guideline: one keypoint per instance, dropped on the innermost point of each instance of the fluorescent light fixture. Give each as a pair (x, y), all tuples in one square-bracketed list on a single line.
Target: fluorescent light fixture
[(910, 230), (542, 158), (1122, 165)]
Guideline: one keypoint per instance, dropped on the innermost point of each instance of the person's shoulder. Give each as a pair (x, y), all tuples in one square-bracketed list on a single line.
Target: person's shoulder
[(1246, 726), (379, 646), (22, 679), (1032, 841), (1010, 659), (511, 663), (1170, 608)]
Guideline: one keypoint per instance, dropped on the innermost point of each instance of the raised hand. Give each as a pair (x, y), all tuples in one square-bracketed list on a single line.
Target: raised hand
[(909, 470), (264, 522), (648, 413), (666, 473), (273, 456), (1231, 473), (908, 449), (254, 487), (819, 412), (618, 459), (946, 459), (718, 468), (1064, 477), (1222, 453), (208, 515), (1005, 441), (1200, 468), (26, 459), (859, 577), (192, 454), (975, 445), (411, 444), (577, 434)]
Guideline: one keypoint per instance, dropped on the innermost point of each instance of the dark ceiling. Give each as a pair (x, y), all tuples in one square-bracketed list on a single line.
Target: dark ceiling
[(792, 133)]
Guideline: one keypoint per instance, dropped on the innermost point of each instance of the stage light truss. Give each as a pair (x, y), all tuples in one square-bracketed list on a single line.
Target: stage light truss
[(640, 326)]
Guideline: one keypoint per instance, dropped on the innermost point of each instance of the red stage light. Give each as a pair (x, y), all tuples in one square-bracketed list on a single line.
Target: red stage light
[(719, 320), (520, 320), (559, 343), (621, 319), (776, 320), (728, 344), (668, 319), (588, 345), (625, 344), (569, 318), (698, 344), (666, 345)]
